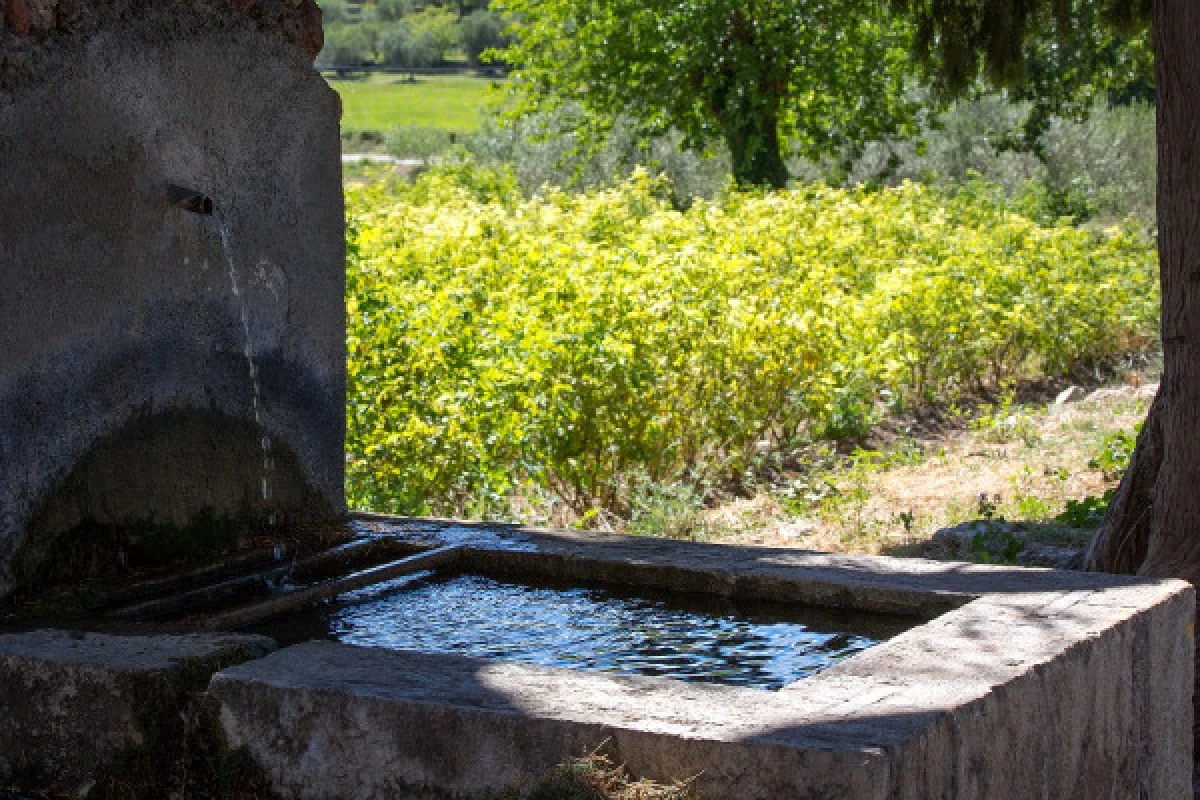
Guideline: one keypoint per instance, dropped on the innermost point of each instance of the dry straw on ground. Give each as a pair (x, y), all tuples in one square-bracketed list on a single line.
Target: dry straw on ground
[(596, 777)]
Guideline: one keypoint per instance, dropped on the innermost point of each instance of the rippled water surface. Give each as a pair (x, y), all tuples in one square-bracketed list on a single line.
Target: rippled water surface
[(593, 629)]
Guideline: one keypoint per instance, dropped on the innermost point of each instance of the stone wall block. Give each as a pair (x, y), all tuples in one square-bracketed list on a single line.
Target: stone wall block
[(72, 704)]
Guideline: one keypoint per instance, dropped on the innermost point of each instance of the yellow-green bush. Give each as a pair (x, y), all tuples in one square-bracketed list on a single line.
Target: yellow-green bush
[(582, 343)]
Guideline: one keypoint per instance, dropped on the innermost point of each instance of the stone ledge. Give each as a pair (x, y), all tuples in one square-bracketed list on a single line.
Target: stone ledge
[(869, 583), (72, 703)]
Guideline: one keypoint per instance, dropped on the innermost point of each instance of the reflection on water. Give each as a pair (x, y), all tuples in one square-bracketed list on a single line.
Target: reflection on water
[(590, 628)]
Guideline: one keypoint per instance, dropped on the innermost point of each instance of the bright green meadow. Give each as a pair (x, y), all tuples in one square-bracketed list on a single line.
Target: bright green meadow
[(507, 355), (383, 102)]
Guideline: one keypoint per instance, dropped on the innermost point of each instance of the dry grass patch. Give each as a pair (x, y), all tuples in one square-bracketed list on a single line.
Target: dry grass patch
[(1020, 464), (596, 777)]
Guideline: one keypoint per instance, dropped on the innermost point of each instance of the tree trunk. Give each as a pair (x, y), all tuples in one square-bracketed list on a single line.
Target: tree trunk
[(1124, 536), (754, 147), (1156, 531), (1153, 526), (1174, 545)]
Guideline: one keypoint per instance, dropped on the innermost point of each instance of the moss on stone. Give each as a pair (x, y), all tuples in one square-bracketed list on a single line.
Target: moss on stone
[(96, 550), (184, 754)]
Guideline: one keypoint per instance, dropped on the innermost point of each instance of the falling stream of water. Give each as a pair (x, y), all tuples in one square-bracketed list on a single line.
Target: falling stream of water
[(265, 442)]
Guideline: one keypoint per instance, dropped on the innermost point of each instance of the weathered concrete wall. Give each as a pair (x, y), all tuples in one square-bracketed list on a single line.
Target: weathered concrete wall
[(72, 703), (124, 389)]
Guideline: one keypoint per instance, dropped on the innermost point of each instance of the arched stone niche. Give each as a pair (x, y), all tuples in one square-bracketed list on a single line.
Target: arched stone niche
[(125, 391)]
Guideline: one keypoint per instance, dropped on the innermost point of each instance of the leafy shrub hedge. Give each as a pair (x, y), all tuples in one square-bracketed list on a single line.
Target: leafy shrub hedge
[(583, 346)]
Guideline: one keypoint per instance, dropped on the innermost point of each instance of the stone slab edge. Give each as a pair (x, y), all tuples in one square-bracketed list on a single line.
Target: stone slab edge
[(867, 583)]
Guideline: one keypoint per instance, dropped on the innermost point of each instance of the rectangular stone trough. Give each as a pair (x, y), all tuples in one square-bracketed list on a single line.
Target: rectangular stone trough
[(1021, 684)]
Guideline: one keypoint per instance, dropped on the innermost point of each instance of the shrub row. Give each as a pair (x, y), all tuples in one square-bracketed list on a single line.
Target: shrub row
[(578, 346)]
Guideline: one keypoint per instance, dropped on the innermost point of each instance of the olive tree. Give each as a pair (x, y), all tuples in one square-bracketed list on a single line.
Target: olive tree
[(765, 76)]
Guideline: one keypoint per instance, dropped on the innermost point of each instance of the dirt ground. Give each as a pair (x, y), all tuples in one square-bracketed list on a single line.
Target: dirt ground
[(1009, 464)]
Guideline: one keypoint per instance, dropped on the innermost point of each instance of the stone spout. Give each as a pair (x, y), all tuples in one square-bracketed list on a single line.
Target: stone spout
[(189, 200)]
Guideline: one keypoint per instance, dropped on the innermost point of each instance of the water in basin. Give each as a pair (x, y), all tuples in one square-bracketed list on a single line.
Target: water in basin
[(593, 628)]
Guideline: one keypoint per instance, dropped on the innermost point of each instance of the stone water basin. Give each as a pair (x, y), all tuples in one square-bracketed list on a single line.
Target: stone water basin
[(1009, 683), (436, 659)]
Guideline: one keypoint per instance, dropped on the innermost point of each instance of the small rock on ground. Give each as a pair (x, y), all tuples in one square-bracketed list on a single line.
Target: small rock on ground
[(1072, 394), (1045, 555), (998, 539)]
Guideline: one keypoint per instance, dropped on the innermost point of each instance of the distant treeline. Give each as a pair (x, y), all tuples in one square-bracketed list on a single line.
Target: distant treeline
[(409, 34)]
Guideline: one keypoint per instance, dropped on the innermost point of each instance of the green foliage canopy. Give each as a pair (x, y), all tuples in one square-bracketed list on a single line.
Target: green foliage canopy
[(349, 45), (1011, 41), (1066, 65), (482, 31), (759, 74), (437, 28)]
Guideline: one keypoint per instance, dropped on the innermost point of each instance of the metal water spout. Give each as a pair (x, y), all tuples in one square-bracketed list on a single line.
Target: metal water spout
[(189, 200)]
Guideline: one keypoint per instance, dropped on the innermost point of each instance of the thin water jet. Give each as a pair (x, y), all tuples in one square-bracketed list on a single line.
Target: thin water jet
[(248, 350)]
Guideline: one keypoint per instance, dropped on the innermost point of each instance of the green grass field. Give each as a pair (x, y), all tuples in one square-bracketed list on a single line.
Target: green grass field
[(381, 102)]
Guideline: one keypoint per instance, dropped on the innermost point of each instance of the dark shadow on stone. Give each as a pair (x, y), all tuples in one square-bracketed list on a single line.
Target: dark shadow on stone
[(184, 754), (165, 489)]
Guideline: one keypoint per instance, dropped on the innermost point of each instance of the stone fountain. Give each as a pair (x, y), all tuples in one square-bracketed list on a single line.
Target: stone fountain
[(124, 383), (172, 354)]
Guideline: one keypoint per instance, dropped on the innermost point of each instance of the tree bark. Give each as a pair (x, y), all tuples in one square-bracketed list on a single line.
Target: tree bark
[(754, 148), (1153, 526), (1156, 532), (1174, 544), (1121, 543)]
